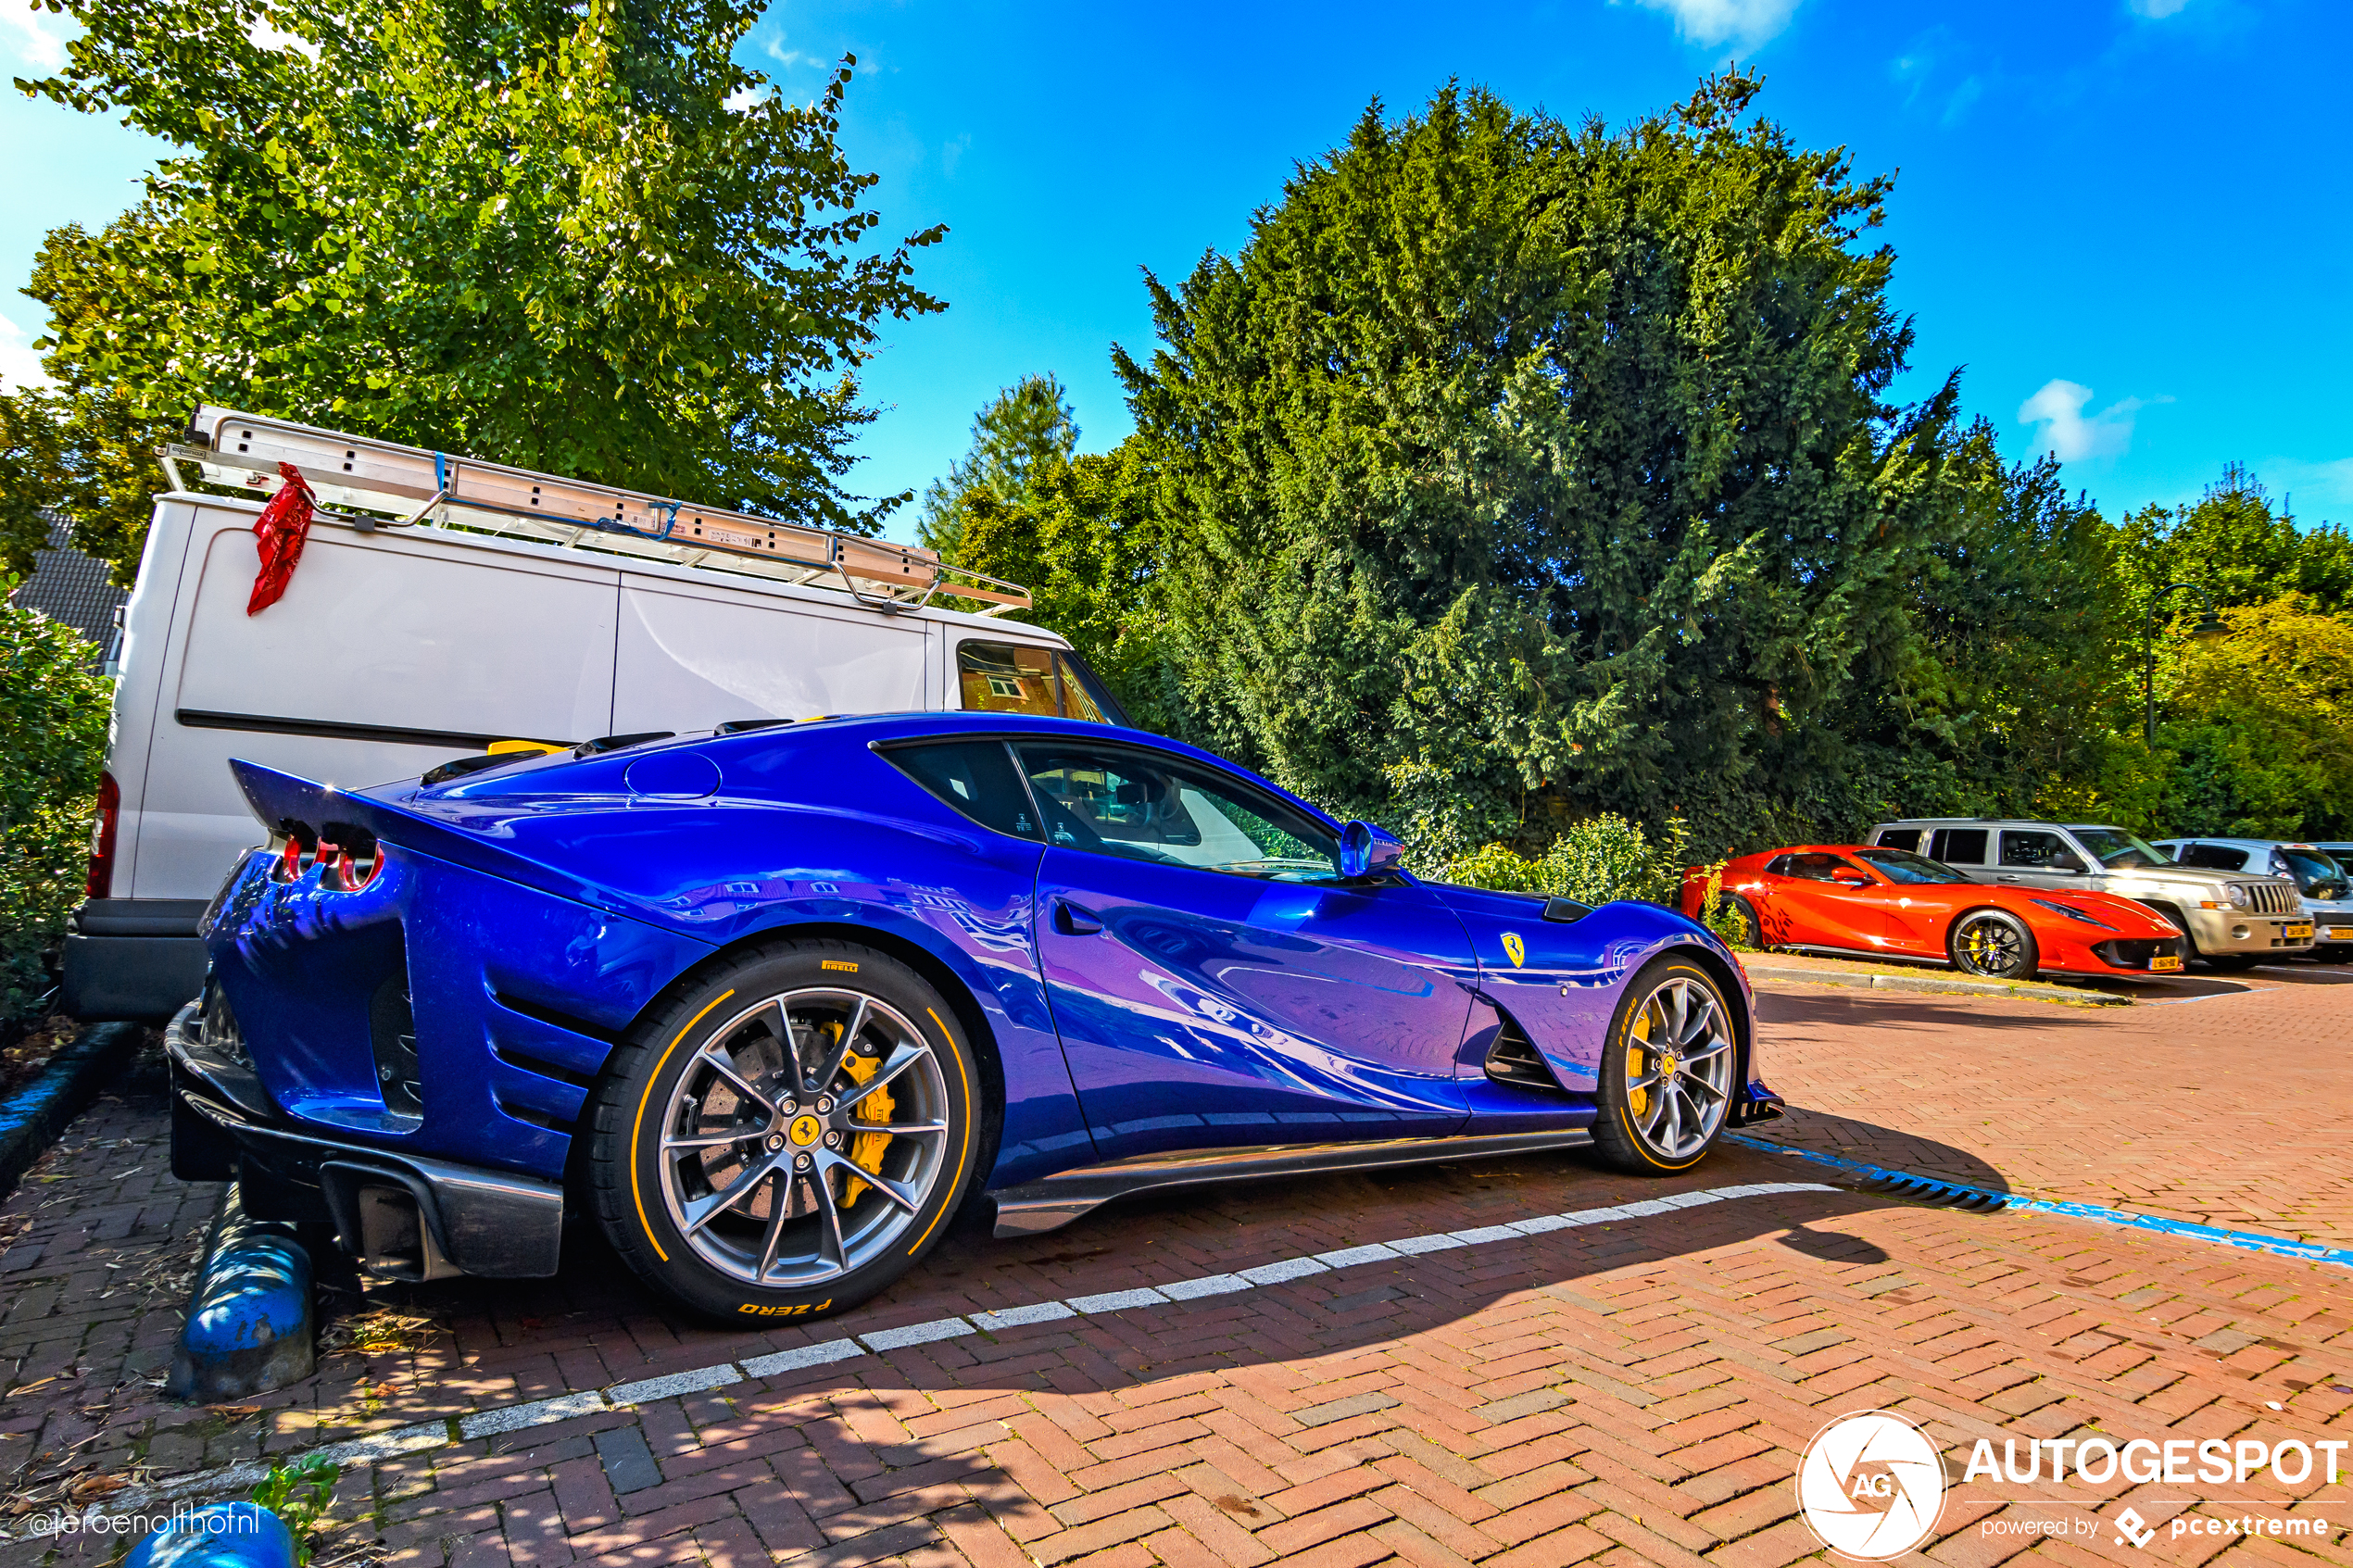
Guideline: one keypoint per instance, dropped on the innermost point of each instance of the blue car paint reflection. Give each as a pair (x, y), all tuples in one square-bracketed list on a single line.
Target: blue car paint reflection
[(533, 913)]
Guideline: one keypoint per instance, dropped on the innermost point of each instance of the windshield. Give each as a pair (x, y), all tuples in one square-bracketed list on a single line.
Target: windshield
[(1902, 865), (2316, 874), (2117, 849)]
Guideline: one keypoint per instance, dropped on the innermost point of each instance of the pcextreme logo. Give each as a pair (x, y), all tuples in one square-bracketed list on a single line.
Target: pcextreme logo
[(1871, 1486)]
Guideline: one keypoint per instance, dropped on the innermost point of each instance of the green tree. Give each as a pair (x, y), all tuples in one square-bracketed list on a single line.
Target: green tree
[(30, 455), (52, 736), (2257, 738), (576, 237), (1025, 432), (2233, 543), (1556, 466)]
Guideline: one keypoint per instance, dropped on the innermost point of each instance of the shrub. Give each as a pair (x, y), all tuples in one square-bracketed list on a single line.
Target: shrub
[(1717, 914), (298, 1494), (53, 737), (1598, 859)]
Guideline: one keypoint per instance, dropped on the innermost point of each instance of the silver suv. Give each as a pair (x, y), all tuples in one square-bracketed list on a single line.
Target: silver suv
[(2316, 874), (2230, 921)]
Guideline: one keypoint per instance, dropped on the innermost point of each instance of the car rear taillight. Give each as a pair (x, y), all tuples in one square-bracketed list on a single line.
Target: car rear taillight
[(102, 837)]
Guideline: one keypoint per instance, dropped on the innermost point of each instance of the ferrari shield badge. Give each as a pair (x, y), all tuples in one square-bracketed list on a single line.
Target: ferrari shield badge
[(1514, 949)]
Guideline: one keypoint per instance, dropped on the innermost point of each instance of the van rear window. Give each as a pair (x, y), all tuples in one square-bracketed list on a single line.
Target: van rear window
[(1899, 839), (1959, 847), (1016, 678)]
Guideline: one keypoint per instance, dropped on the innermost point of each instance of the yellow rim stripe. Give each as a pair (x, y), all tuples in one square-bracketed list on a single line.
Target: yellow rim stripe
[(637, 1128), (965, 1152)]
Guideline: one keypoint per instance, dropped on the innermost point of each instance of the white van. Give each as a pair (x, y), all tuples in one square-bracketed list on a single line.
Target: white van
[(400, 647)]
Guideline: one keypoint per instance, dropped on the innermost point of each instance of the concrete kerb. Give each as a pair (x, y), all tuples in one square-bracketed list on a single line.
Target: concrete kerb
[(2025, 990), (32, 1117)]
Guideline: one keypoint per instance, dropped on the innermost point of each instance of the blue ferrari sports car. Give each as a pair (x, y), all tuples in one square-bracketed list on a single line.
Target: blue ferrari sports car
[(771, 1003)]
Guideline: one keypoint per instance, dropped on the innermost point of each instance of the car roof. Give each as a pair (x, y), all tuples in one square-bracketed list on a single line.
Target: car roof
[(882, 728)]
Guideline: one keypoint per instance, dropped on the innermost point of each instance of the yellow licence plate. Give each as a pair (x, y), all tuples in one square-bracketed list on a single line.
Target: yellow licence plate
[(2341, 933), (2297, 934), (2165, 960)]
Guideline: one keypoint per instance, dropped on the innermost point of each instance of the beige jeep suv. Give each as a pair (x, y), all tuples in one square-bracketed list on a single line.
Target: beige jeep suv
[(2230, 921)]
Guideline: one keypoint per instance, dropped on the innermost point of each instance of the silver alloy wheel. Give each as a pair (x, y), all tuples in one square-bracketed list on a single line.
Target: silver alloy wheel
[(1989, 946), (1679, 1068), (803, 1138)]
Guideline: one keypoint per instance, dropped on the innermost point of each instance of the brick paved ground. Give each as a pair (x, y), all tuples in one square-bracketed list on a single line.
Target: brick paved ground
[(1621, 1394)]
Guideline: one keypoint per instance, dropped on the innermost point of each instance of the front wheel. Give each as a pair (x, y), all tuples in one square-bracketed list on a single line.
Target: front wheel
[(789, 1136), (1994, 944), (1669, 1069)]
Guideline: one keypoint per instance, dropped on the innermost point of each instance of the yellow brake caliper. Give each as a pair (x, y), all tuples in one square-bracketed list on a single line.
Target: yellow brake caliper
[(866, 1148), (1638, 1100)]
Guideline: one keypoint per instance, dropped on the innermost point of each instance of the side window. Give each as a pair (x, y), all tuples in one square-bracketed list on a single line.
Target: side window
[(1900, 838), (1816, 867), (1015, 678), (1959, 847), (1145, 808), (1779, 866), (977, 777), (2032, 848), (2214, 858)]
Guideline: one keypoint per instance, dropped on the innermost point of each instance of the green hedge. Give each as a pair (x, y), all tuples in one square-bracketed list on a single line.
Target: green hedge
[(53, 740)]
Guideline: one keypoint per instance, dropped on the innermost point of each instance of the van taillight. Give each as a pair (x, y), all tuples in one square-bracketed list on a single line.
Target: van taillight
[(102, 837)]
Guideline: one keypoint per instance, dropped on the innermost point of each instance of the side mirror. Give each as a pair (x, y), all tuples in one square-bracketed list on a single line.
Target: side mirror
[(1367, 852), (1852, 879), (2063, 861)]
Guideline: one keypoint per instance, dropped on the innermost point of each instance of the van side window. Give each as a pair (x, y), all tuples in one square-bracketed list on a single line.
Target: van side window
[(1014, 677), (977, 777), (1959, 847), (1899, 839), (2212, 856)]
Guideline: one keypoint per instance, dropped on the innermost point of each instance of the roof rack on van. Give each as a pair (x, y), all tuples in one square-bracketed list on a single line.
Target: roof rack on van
[(414, 485)]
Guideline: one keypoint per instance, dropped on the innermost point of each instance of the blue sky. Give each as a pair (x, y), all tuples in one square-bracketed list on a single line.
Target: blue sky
[(2127, 220)]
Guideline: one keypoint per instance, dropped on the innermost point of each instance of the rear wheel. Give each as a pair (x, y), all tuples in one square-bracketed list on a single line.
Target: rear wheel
[(1748, 932), (1994, 944), (789, 1136), (1669, 1069)]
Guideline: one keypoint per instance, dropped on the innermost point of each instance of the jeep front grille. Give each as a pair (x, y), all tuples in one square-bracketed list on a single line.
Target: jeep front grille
[(2272, 899)]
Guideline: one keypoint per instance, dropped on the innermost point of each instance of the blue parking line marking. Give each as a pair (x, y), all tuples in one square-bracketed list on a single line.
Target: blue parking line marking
[(2252, 1241)]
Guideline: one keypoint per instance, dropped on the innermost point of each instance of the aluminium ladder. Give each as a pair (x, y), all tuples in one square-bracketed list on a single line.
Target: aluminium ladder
[(414, 485)]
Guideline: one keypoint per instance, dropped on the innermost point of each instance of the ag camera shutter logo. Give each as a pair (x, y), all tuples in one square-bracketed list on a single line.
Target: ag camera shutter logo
[(1871, 1486)]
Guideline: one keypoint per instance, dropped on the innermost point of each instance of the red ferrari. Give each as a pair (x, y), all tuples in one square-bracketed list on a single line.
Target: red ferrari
[(1871, 901)]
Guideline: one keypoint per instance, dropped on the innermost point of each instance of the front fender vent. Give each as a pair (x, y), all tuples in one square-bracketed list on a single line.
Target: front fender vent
[(1514, 1059)]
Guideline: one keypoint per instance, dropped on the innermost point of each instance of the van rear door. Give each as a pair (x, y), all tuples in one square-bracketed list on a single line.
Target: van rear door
[(385, 656)]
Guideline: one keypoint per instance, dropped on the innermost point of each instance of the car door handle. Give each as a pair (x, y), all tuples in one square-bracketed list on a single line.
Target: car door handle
[(1072, 920)]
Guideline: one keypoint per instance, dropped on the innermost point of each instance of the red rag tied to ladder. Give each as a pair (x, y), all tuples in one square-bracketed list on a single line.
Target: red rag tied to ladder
[(279, 533)]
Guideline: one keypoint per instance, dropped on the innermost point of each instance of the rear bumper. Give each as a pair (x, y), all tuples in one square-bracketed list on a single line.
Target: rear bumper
[(493, 1223), (132, 959)]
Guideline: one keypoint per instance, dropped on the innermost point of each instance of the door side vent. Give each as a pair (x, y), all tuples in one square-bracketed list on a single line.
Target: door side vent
[(1514, 1058)]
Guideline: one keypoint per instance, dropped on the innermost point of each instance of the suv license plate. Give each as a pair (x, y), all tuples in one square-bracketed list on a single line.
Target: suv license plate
[(2164, 962), (2296, 933), (2341, 933)]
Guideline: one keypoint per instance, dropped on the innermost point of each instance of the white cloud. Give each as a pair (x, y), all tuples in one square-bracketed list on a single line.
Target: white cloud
[(37, 38), (2067, 434), (743, 98), (2157, 10), (19, 364), (953, 153), (1744, 22)]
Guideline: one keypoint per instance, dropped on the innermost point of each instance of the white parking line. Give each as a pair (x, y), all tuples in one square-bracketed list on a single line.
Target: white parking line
[(624, 1396)]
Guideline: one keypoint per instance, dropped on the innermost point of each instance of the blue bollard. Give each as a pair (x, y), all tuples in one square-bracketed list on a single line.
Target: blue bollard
[(249, 1323), (226, 1535)]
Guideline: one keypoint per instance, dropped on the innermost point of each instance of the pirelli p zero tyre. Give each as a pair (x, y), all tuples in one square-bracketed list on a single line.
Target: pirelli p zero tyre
[(1994, 944), (1670, 1067), (787, 1136)]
